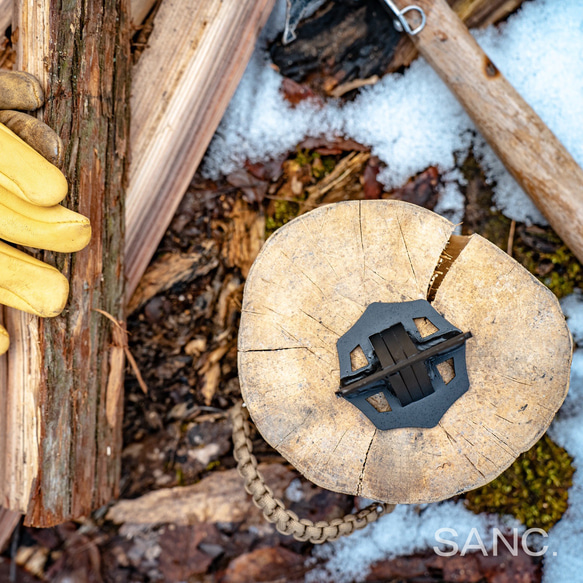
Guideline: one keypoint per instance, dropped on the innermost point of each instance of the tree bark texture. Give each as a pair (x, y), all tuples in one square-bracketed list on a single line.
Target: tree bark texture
[(61, 382), (347, 41)]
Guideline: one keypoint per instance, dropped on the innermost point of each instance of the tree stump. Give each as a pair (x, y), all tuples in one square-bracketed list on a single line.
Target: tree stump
[(313, 280)]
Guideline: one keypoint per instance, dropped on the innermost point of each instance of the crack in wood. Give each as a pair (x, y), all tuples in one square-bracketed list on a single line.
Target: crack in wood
[(337, 334), (294, 430), (294, 264), (361, 477), (474, 466), (407, 251), (450, 252), (318, 246), (335, 448), (501, 442)]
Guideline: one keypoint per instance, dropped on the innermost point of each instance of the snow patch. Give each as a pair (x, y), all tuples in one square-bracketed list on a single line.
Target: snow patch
[(407, 530), (412, 121)]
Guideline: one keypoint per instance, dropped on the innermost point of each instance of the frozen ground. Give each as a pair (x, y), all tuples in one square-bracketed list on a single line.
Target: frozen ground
[(411, 121)]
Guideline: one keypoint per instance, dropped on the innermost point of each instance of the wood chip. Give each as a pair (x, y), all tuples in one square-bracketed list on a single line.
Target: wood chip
[(220, 497), (245, 236), (173, 268)]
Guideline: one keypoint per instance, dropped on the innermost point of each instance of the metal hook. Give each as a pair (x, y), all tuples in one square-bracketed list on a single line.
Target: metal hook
[(401, 23)]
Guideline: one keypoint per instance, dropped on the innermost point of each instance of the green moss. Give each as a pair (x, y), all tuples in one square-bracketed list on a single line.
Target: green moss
[(539, 250), (534, 488), (303, 157), (551, 262), (179, 476), (320, 165), (309, 167), (213, 465), (284, 211)]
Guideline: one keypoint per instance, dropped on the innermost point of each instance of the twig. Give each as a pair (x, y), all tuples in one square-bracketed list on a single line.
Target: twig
[(120, 339), (511, 233)]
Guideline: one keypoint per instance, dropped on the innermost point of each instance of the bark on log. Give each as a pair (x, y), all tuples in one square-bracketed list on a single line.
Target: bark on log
[(313, 280), (182, 85), (349, 41), (60, 376), (139, 11)]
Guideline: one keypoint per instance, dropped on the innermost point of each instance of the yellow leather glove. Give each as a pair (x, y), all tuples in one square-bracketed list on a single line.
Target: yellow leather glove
[(31, 187)]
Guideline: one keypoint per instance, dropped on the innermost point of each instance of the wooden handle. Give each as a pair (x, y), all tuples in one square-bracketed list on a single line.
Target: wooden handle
[(525, 145)]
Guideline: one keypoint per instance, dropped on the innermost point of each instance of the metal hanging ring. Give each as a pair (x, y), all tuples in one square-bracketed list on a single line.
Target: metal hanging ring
[(401, 23)]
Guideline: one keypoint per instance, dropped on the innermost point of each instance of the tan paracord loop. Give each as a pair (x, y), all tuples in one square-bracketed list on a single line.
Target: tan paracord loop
[(286, 521)]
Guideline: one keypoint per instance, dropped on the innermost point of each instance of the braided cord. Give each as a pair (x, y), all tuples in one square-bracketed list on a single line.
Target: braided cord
[(286, 521)]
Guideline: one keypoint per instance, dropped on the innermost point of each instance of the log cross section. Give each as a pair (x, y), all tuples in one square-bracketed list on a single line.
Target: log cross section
[(313, 280)]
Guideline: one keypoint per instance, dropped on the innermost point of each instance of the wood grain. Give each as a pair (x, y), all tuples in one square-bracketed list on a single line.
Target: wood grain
[(139, 10), (62, 451), (8, 522), (483, 13), (313, 279), (5, 15), (525, 145), (182, 85)]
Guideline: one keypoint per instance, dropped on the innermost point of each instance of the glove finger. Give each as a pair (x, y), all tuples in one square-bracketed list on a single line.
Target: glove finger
[(30, 285), (4, 340), (20, 90), (24, 172), (54, 228), (36, 134)]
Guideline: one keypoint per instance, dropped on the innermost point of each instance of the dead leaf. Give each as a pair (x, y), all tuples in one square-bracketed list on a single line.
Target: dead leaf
[(266, 564), (181, 557), (269, 171), (420, 190), (371, 186), (294, 92), (253, 189)]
